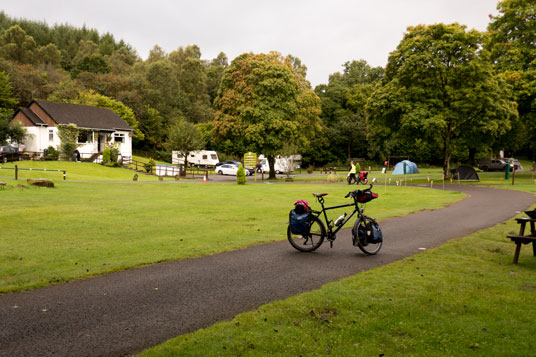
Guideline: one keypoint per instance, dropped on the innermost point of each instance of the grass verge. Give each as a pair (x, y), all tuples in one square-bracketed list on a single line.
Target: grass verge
[(463, 298), (79, 229)]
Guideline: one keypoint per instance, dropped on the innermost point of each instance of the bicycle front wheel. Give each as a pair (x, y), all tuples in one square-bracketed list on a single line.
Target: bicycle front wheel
[(310, 241), (363, 234)]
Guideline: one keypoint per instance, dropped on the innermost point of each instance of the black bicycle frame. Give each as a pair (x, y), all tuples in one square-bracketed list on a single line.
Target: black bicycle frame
[(332, 233)]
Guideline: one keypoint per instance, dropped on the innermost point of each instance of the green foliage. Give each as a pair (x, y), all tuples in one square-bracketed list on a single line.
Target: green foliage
[(17, 46), (14, 131), (97, 100), (439, 87), (343, 114), (241, 175), (511, 42), (148, 166), (184, 137), (106, 156), (68, 135), (263, 102), (114, 155), (51, 153)]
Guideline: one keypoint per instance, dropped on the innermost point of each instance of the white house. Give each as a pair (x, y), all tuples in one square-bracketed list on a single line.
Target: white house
[(102, 126)]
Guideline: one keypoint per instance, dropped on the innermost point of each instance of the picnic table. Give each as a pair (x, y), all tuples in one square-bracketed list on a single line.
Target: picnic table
[(523, 238)]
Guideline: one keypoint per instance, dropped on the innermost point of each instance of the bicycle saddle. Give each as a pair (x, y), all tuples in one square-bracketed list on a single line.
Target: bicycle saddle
[(320, 194)]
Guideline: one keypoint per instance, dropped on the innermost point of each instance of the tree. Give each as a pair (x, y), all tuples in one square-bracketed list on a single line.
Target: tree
[(439, 87), (184, 138), (512, 39), (343, 110), (264, 102), (17, 46), (15, 132)]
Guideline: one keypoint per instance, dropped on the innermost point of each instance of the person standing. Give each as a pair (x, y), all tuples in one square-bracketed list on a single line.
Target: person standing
[(352, 172)]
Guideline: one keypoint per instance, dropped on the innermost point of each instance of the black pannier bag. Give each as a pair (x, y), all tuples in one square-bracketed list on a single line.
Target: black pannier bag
[(299, 222), (373, 232), (369, 233)]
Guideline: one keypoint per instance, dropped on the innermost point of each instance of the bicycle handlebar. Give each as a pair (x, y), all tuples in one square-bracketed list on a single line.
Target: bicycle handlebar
[(355, 192)]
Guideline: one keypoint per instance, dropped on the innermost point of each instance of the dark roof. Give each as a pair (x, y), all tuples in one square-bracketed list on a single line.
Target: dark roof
[(83, 116), (31, 116)]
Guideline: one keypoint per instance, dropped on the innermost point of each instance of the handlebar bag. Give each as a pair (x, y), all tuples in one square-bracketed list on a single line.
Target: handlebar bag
[(366, 196), (299, 222)]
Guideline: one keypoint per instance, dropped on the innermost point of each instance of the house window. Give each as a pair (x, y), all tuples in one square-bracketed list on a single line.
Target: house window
[(50, 135), (119, 138), (82, 137)]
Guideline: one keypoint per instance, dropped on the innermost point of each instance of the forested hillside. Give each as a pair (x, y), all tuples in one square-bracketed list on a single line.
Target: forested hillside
[(62, 63)]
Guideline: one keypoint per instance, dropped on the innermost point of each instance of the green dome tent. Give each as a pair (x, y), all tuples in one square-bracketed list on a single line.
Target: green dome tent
[(465, 173), (405, 167)]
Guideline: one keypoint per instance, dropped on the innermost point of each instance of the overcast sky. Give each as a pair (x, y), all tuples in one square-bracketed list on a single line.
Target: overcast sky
[(324, 34)]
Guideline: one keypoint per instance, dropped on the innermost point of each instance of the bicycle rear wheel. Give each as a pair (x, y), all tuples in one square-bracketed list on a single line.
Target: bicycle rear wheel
[(363, 234), (309, 241)]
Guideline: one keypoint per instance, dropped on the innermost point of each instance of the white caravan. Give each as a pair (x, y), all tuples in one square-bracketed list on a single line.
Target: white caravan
[(282, 164), (202, 158)]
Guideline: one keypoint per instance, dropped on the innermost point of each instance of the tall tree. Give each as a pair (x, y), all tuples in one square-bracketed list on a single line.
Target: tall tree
[(512, 44), (15, 131), (17, 46), (440, 88), (263, 103), (343, 112), (184, 137)]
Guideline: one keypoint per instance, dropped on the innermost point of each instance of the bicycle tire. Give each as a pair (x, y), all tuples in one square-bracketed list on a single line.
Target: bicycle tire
[(310, 241), (361, 239)]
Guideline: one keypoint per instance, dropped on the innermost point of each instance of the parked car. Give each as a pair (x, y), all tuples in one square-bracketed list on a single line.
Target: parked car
[(492, 164), (250, 171), (9, 153), (229, 169), (230, 162)]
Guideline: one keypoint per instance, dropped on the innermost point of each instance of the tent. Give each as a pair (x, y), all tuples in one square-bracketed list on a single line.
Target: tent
[(465, 172), (405, 167)]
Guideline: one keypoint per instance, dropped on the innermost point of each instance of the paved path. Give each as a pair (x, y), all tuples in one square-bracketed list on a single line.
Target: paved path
[(123, 313)]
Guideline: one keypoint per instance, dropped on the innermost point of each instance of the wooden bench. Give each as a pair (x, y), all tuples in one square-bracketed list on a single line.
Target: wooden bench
[(523, 238)]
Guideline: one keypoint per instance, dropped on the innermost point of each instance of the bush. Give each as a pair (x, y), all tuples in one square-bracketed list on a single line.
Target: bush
[(106, 154), (149, 165), (51, 153), (114, 154), (241, 175)]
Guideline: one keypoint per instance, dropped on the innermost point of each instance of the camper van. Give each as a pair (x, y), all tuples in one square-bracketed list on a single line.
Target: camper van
[(281, 165), (202, 158)]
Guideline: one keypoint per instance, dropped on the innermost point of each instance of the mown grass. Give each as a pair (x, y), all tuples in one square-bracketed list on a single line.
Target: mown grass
[(464, 298), (75, 171), (78, 229)]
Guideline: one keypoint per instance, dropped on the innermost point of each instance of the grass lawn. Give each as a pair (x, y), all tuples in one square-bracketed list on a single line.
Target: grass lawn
[(75, 171), (79, 229), (463, 298)]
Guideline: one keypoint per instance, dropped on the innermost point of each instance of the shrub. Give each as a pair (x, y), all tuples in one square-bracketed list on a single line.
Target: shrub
[(106, 155), (51, 153), (149, 165), (114, 154), (241, 175)]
